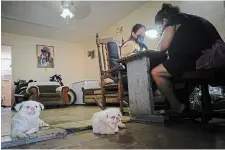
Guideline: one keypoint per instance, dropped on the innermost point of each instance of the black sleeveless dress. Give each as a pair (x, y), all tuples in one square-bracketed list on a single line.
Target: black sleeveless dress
[(193, 36)]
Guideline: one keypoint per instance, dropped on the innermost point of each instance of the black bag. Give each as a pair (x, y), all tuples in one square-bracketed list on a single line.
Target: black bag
[(212, 58)]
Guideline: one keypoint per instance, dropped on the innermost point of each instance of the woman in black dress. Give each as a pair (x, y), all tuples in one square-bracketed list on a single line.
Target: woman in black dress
[(184, 36)]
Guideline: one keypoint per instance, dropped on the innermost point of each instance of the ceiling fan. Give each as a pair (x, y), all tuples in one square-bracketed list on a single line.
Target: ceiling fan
[(66, 9), (74, 9), (224, 3)]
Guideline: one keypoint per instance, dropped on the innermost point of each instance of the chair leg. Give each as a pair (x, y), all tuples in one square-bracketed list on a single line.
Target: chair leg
[(120, 92), (103, 100), (99, 103), (125, 103), (120, 99), (103, 95), (206, 104)]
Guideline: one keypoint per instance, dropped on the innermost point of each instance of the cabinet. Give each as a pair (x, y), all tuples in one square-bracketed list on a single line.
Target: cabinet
[(86, 84)]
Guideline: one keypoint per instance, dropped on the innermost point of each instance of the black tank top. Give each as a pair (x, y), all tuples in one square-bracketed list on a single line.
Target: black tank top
[(187, 19)]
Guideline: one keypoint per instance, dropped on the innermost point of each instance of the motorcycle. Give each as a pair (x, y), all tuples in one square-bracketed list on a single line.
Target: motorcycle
[(217, 95), (20, 91), (71, 94)]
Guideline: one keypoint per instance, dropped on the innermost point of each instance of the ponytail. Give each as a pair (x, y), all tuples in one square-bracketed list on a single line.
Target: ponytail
[(166, 11)]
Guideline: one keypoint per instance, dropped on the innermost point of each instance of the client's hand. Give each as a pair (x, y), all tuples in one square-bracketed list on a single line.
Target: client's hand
[(131, 54)]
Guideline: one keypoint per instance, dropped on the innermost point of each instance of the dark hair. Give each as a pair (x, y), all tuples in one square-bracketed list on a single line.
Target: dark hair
[(135, 28), (166, 11)]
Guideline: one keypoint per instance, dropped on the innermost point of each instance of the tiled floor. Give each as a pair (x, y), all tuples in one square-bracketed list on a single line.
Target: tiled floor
[(6, 118), (69, 114), (169, 135), (55, 117), (70, 117), (58, 118), (142, 136)]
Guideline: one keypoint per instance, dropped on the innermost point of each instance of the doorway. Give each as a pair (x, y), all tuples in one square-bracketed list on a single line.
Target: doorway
[(6, 75)]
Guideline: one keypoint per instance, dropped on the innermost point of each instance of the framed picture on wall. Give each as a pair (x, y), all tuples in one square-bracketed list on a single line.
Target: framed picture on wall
[(45, 56)]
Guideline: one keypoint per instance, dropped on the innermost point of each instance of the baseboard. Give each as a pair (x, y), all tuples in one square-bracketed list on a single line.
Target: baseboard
[(78, 105), (4, 106)]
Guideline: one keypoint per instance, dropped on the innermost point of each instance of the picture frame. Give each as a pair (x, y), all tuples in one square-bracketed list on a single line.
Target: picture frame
[(45, 56)]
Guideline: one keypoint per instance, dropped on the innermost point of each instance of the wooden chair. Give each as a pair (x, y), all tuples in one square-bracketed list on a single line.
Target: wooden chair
[(108, 54)]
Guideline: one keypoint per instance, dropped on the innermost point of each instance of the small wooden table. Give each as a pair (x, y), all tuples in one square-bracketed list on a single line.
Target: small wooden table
[(139, 84)]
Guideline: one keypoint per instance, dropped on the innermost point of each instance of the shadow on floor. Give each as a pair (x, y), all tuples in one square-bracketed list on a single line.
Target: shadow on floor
[(141, 136)]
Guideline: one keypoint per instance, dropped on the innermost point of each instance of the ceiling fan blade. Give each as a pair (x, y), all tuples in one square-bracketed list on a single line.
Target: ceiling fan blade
[(6, 6), (82, 10), (224, 4)]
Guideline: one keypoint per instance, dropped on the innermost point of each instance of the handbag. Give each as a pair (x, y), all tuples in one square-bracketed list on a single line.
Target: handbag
[(212, 58)]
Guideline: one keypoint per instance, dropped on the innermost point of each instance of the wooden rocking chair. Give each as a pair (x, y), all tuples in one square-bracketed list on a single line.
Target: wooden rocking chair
[(108, 54)]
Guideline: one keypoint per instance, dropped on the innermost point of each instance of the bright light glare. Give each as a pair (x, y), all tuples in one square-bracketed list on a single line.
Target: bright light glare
[(66, 13), (152, 33)]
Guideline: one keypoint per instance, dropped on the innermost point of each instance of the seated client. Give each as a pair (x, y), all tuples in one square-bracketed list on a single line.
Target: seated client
[(135, 42), (133, 45), (184, 36)]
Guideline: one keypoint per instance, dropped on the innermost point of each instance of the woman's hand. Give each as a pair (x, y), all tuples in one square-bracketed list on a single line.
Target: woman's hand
[(130, 54)]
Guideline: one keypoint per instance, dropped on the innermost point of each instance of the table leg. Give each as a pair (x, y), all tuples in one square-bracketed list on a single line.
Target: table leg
[(140, 91)]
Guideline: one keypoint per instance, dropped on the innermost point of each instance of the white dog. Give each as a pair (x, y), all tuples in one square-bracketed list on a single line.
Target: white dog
[(26, 121), (107, 121)]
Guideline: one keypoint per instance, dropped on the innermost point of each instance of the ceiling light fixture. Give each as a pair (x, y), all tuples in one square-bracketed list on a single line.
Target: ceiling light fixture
[(67, 14), (152, 33), (67, 8)]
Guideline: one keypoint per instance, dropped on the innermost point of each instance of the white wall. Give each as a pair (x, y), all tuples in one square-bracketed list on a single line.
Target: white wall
[(214, 11), (69, 59), (6, 60)]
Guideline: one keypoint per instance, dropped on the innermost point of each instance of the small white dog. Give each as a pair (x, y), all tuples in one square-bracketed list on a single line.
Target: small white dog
[(26, 121), (107, 121)]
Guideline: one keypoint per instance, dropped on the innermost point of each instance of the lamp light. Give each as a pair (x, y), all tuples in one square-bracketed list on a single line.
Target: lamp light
[(152, 33)]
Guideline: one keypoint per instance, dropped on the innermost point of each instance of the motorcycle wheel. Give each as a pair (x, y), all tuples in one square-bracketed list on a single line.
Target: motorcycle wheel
[(72, 97), (19, 100)]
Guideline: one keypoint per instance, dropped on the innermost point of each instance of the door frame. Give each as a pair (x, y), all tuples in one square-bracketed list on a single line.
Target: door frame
[(12, 82)]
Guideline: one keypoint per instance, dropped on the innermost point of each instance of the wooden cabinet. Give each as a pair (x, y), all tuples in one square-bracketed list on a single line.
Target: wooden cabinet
[(6, 92)]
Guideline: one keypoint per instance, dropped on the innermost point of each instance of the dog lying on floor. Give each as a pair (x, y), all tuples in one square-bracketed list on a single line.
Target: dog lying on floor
[(107, 121), (26, 121)]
